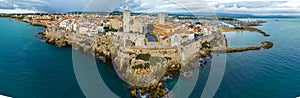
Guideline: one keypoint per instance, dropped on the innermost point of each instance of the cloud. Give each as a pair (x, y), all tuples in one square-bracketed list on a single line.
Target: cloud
[(21, 6), (289, 4), (155, 6), (68, 5), (258, 7), (9, 11), (42, 5)]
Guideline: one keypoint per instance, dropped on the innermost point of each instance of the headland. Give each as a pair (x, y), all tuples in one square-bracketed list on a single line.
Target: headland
[(123, 40)]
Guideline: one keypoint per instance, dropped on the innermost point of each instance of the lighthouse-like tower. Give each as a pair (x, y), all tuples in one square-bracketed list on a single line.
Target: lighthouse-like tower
[(126, 20), (161, 18)]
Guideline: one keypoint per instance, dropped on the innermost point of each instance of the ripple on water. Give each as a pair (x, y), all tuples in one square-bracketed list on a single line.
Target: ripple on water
[(264, 73)]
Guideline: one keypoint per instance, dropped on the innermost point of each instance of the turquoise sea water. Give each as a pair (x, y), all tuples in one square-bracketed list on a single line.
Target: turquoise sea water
[(30, 68), (266, 73)]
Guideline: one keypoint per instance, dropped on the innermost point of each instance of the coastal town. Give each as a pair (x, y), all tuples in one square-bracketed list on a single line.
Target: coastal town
[(146, 49)]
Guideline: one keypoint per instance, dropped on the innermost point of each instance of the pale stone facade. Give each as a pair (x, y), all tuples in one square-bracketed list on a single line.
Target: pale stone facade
[(126, 21), (161, 18), (176, 40), (136, 25), (116, 23)]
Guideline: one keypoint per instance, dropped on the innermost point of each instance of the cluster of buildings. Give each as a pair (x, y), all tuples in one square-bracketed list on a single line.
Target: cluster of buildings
[(168, 33)]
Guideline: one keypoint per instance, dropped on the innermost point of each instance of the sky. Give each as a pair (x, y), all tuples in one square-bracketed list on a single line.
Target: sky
[(255, 7)]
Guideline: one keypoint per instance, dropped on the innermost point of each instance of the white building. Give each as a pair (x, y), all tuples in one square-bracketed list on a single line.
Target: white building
[(101, 29), (74, 27), (63, 24), (176, 40), (191, 35), (139, 42)]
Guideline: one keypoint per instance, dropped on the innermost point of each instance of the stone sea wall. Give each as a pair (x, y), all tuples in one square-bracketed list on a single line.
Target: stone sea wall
[(264, 45), (248, 29)]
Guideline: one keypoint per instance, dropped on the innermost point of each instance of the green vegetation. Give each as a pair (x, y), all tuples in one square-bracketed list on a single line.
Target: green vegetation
[(206, 45), (213, 44), (141, 66), (131, 53), (168, 58), (145, 57), (107, 29), (196, 35)]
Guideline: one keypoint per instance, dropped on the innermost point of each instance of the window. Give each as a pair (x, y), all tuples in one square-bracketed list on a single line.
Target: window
[(176, 38)]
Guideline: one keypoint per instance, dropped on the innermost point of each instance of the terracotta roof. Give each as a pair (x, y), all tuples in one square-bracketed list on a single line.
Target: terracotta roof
[(180, 31), (191, 32), (197, 29), (162, 34), (171, 33), (158, 30), (163, 26), (164, 38), (110, 18)]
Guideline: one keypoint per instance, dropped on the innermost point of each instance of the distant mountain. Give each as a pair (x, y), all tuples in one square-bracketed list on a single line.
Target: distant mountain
[(253, 16), (232, 15)]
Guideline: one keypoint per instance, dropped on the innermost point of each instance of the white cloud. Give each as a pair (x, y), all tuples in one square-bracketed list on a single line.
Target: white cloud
[(154, 6), (21, 6), (290, 4), (258, 7), (39, 1), (10, 11)]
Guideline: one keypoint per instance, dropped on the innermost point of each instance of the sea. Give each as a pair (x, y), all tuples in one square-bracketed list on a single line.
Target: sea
[(31, 68)]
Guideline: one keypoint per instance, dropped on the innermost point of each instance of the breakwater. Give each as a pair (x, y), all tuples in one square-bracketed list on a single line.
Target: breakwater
[(264, 45), (244, 29)]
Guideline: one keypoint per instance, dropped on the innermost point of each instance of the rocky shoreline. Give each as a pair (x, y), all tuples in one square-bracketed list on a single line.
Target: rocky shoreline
[(102, 48)]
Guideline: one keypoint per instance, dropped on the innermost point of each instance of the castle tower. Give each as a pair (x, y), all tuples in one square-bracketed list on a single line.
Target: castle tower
[(126, 20), (161, 18)]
